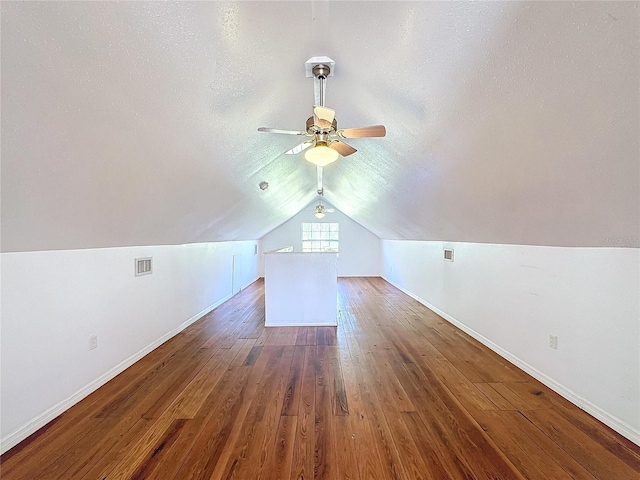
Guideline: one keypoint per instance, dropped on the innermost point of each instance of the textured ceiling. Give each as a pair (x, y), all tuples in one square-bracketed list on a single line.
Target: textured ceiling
[(135, 123)]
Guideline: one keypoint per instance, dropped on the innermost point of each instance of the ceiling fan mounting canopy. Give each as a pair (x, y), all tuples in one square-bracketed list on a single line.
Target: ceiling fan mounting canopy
[(313, 61), (321, 70)]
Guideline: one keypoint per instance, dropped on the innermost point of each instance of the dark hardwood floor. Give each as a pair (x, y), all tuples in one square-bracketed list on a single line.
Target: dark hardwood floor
[(395, 392)]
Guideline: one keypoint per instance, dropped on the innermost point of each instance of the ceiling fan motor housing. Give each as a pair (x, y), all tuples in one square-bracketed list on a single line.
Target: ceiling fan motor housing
[(312, 128)]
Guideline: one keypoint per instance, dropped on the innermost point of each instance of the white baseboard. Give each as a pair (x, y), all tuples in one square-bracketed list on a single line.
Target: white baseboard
[(249, 284), (298, 324), (377, 275), (40, 421), (360, 276), (615, 423)]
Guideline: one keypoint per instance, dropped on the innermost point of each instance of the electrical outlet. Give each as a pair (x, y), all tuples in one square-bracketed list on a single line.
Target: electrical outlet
[(93, 342), (553, 341)]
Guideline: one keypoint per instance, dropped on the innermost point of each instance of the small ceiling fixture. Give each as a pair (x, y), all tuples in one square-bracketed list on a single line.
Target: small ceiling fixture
[(319, 211), (263, 185)]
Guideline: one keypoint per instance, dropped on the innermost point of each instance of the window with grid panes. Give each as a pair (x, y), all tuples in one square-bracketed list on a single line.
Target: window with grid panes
[(320, 237)]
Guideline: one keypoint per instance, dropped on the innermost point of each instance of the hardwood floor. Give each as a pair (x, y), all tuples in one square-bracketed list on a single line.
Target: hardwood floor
[(395, 392)]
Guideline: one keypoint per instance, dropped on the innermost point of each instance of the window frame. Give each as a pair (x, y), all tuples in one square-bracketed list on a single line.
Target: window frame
[(320, 237)]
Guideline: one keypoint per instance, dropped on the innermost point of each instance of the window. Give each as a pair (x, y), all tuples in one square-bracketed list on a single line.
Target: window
[(320, 237)]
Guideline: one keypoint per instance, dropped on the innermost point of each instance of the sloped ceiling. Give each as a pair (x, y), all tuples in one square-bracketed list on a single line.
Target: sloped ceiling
[(135, 123)]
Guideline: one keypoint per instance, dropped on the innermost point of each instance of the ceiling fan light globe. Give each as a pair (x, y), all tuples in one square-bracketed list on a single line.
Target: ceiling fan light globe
[(321, 155), (319, 215)]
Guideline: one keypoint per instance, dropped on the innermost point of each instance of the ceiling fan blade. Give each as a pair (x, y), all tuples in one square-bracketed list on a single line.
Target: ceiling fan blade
[(329, 210), (342, 148), (363, 132), (325, 113), (275, 130), (299, 148), (323, 116)]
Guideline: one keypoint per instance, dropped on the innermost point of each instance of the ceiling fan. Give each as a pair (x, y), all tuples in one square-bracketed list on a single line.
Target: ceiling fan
[(321, 210), (322, 127)]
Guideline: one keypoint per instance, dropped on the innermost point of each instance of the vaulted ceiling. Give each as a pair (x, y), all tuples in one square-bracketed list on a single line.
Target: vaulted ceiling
[(135, 123)]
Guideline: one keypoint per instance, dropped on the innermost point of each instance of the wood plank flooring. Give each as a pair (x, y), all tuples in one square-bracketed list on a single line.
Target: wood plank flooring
[(395, 392)]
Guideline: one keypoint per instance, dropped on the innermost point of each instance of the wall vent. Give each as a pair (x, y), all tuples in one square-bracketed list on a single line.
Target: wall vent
[(448, 254), (144, 266)]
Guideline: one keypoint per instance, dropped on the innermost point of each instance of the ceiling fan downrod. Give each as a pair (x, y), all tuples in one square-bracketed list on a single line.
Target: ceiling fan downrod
[(321, 72), (319, 175)]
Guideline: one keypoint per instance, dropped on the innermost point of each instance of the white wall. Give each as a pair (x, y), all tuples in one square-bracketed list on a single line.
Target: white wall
[(53, 301), (359, 254), (513, 297)]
